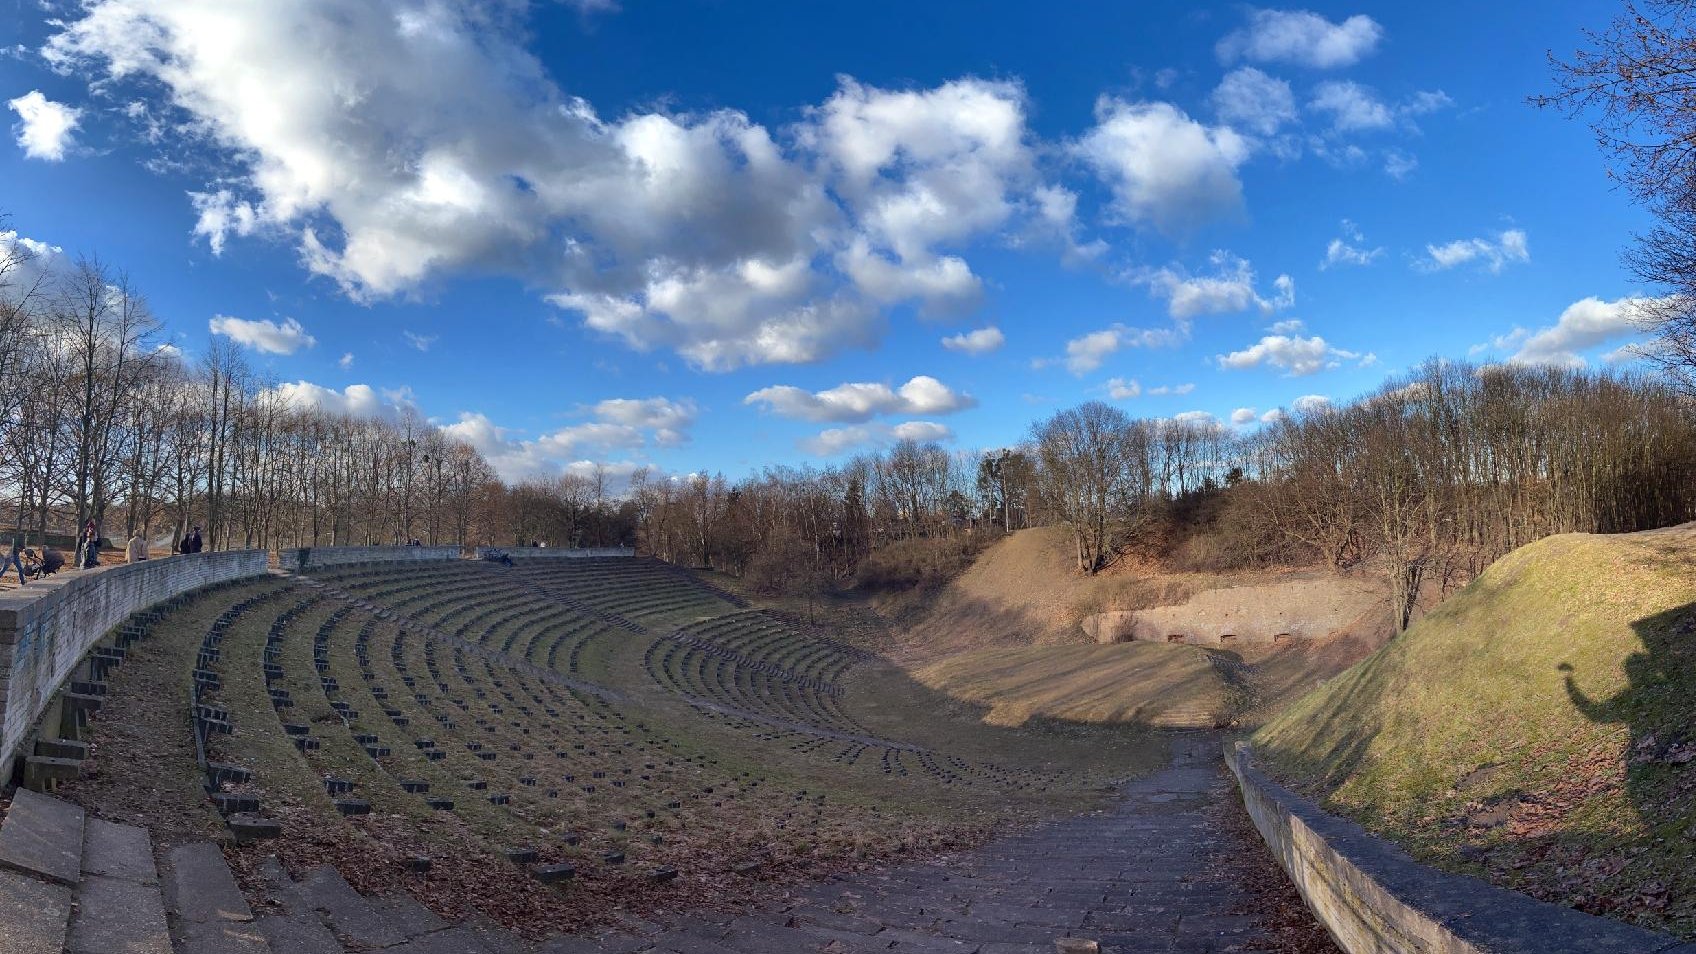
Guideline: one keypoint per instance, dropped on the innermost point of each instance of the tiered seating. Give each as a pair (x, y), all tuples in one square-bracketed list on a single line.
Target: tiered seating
[(642, 590)]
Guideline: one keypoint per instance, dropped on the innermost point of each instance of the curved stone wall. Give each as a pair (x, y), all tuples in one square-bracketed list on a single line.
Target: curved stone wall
[(558, 553), (48, 626), (311, 558), (1374, 898)]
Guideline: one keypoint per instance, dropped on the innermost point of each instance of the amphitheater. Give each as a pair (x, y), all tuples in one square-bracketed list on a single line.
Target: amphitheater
[(397, 749)]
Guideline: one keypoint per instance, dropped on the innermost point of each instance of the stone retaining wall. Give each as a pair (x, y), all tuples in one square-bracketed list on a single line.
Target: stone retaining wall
[(558, 553), (311, 558), (1373, 897), (48, 626)]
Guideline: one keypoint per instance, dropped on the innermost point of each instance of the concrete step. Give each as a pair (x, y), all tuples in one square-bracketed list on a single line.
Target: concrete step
[(34, 915), (209, 914), (42, 838), (352, 919), (118, 904)]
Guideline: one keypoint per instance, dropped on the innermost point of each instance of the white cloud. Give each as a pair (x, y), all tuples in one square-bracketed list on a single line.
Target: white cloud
[(1505, 249), (979, 341), (355, 400), (1252, 101), (1349, 249), (1195, 417), (1311, 403), (1087, 352), (345, 362), (1585, 324), (44, 128), (1356, 108), (1273, 416), (1352, 107), (1243, 415), (1301, 37), (1120, 389), (1399, 165), (1165, 389), (667, 420), (1288, 326), (266, 336), (398, 144), (1296, 357), (1229, 289), (1164, 168), (852, 403), (421, 342), (615, 425), (839, 440)]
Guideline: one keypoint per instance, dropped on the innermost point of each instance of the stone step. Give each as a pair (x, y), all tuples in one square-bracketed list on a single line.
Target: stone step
[(34, 915), (118, 903), (208, 911), (42, 837), (350, 917)]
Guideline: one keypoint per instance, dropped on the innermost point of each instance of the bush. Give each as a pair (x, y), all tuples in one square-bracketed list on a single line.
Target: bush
[(923, 563)]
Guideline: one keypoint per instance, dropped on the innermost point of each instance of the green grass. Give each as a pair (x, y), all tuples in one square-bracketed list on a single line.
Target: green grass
[(1529, 729)]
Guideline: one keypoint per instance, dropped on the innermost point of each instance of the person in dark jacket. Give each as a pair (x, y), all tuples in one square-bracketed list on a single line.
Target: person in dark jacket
[(194, 542), (88, 547)]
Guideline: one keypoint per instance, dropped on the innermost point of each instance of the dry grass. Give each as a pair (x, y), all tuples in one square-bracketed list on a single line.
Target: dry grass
[(1130, 682), (1538, 728)]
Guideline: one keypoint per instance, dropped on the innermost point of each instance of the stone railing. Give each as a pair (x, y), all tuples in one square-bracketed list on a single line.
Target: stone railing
[(48, 626), (311, 558), (1373, 897), (557, 553)]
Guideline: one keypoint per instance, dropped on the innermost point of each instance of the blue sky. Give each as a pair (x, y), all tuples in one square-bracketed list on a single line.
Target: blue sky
[(715, 235)]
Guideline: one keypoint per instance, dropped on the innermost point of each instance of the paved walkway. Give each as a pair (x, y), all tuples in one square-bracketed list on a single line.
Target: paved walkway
[(1136, 878)]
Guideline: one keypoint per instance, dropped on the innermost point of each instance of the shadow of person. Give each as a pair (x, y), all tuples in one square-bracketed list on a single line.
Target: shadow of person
[(1655, 706)]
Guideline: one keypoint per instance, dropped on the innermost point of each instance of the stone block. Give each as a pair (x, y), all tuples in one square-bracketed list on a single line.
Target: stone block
[(34, 915), (117, 915), (61, 749), (43, 837), (44, 774)]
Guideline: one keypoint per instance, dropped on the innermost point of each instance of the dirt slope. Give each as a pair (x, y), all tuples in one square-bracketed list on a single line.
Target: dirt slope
[(1538, 728)]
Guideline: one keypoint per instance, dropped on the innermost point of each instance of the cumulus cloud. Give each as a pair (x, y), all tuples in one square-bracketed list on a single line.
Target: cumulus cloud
[(1585, 324), (979, 341), (1302, 38), (1244, 415), (839, 440), (1351, 106), (266, 336), (1356, 108), (1230, 288), (1492, 254), (1295, 356), (355, 400), (1087, 352), (853, 403), (1120, 389), (397, 143), (44, 128), (1252, 101), (1349, 249), (1164, 169), (1311, 403), (613, 425)]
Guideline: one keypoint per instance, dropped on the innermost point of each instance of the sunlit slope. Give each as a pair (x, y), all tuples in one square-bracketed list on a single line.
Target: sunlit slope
[(1540, 725), (1149, 683)]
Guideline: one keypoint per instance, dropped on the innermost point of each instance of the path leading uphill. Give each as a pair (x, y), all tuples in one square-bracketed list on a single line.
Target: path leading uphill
[(1141, 876)]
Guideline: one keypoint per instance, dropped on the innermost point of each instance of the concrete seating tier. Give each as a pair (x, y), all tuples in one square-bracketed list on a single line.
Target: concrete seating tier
[(641, 590)]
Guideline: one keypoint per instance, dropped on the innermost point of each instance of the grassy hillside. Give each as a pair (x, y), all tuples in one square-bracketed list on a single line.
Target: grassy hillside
[(1538, 728), (1170, 686)]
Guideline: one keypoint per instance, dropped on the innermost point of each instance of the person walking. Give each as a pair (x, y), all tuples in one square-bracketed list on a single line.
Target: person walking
[(194, 541), (15, 558), (88, 548)]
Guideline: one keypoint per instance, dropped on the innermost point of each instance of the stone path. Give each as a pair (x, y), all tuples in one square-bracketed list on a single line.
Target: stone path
[(1140, 876)]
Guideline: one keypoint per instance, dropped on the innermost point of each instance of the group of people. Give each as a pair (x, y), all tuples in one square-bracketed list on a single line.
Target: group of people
[(26, 564)]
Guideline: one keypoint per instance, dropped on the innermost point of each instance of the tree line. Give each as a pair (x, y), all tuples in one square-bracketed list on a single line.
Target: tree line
[(101, 421), (1425, 481)]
